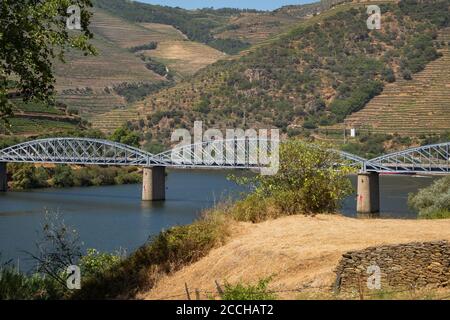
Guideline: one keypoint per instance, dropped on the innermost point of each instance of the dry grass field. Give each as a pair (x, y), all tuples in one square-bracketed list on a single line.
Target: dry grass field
[(296, 251), (184, 57)]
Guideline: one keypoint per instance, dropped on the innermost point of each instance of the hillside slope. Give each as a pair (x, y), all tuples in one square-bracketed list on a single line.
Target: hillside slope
[(296, 251), (318, 73), (228, 30), (417, 106)]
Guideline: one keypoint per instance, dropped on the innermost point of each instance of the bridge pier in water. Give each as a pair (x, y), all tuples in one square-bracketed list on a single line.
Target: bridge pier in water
[(368, 198), (154, 183), (3, 177)]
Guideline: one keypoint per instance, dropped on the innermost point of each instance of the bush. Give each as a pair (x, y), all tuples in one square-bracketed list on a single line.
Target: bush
[(94, 263), (433, 202), (126, 136), (18, 286), (152, 45), (307, 182), (242, 291)]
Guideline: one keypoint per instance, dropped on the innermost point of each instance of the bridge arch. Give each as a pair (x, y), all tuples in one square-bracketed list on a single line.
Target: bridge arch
[(77, 151), (434, 158)]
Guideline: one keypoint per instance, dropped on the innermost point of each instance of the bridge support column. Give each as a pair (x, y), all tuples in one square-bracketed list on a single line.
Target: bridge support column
[(3, 177), (154, 184), (368, 201)]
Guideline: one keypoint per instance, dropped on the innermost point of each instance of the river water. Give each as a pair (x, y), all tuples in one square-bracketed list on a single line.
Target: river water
[(113, 217)]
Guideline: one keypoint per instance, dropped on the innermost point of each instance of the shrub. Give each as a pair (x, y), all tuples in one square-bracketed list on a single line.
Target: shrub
[(433, 202), (15, 285), (152, 45), (94, 263), (242, 291)]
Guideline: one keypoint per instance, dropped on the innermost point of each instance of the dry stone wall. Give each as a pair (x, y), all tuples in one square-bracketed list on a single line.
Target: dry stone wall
[(401, 267)]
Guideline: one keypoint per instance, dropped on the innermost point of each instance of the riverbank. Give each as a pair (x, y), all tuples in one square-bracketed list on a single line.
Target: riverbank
[(27, 176), (296, 251)]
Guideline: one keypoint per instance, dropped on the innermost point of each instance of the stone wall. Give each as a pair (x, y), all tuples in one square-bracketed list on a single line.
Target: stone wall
[(402, 267)]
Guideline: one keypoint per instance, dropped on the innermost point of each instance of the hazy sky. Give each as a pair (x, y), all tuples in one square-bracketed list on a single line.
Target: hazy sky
[(251, 4)]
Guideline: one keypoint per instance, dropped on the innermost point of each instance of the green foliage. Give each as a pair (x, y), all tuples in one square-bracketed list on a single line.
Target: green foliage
[(203, 106), (152, 45), (29, 46), (369, 145), (63, 177), (356, 100), (27, 176), (126, 136), (94, 262), (230, 46), (306, 183), (433, 202), (133, 92), (18, 286), (242, 291), (154, 147)]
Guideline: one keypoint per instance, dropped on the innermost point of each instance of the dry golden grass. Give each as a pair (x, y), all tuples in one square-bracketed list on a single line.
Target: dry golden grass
[(185, 57), (296, 250), (164, 32)]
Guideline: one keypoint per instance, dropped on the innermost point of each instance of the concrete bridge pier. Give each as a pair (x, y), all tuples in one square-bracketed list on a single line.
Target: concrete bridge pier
[(368, 201), (3, 177), (154, 184)]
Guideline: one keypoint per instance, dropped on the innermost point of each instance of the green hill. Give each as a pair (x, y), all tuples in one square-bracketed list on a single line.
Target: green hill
[(417, 106), (318, 73)]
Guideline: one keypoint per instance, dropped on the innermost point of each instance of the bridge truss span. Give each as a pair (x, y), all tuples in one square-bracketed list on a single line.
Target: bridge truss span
[(226, 153), (434, 158), (81, 151)]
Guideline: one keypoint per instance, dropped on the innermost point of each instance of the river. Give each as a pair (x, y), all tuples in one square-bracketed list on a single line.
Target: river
[(113, 217)]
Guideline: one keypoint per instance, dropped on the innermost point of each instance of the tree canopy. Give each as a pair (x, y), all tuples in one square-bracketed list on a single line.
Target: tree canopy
[(33, 33)]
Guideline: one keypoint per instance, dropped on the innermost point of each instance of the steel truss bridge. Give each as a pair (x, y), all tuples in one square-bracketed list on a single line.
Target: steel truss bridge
[(236, 153)]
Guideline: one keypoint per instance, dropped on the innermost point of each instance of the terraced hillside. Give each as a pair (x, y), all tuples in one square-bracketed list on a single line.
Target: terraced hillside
[(88, 88), (30, 118), (324, 69), (255, 27), (420, 105), (126, 34), (87, 83)]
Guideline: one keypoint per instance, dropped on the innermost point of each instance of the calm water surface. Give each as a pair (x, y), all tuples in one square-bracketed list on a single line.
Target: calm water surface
[(113, 217)]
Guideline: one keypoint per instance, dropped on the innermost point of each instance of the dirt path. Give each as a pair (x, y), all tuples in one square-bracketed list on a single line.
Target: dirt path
[(295, 250)]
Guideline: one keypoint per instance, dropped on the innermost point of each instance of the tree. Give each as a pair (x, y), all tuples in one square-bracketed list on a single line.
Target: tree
[(307, 182), (33, 33), (433, 202), (126, 136)]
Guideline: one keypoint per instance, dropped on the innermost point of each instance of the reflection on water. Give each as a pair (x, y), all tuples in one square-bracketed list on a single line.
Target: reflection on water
[(112, 217)]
